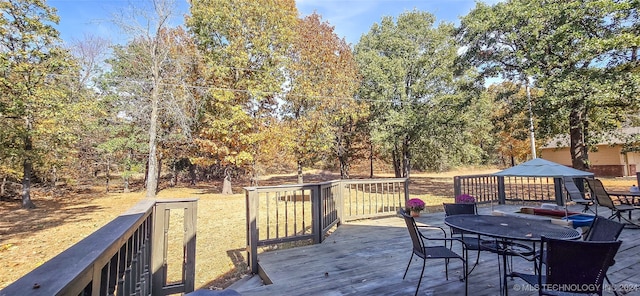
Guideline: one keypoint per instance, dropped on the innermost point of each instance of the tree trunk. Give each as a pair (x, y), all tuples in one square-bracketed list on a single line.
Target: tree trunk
[(107, 175), (344, 169), (300, 179), (27, 167), (192, 174), (159, 169), (174, 174), (396, 161), (3, 186), (371, 159), (406, 157), (128, 168), (226, 186), (578, 148), (146, 174), (152, 174), (254, 175), (26, 185), (54, 177)]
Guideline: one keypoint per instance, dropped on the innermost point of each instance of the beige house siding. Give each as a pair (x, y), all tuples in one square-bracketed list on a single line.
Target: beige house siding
[(557, 155), (607, 155), (607, 161)]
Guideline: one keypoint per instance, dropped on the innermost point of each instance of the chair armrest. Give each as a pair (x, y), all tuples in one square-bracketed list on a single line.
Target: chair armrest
[(532, 257), (620, 200), (464, 245), (444, 233), (430, 227), (529, 255)]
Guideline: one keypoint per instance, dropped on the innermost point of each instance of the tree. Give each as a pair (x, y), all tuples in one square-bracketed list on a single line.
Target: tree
[(408, 79), (244, 44), (90, 53), (35, 106), (511, 120), (578, 52), (151, 76), (320, 106)]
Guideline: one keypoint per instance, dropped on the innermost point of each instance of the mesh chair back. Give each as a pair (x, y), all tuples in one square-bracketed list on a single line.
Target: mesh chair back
[(418, 244), (451, 209), (602, 197), (578, 264), (604, 230), (572, 189)]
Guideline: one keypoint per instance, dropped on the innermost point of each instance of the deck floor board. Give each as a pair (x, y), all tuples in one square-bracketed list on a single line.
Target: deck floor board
[(368, 257)]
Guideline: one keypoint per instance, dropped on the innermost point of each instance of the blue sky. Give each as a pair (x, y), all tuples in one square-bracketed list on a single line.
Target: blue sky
[(351, 18)]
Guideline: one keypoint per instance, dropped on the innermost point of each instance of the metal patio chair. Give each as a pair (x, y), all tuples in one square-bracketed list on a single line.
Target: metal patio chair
[(426, 251), (601, 230), (604, 199), (472, 241), (604, 230), (572, 267), (575, 194)]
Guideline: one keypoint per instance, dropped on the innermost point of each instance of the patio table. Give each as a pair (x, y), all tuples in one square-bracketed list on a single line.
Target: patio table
[(510, 228)]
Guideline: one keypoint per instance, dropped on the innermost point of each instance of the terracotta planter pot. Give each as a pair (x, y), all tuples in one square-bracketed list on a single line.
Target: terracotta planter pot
[(415, 214)]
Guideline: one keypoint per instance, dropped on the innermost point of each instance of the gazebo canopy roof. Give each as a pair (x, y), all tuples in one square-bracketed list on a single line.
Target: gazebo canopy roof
[(539, 167)]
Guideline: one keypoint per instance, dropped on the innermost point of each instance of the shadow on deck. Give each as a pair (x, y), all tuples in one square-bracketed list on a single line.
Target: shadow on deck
[(368, 257)]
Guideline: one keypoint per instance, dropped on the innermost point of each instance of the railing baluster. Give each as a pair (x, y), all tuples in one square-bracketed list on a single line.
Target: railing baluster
[(304, 213), (286, 213), (295, 214), (127, 270), (268, 212)]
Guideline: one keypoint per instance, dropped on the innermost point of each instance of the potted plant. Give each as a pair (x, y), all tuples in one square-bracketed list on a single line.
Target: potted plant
[(415, 206), (465, 198)]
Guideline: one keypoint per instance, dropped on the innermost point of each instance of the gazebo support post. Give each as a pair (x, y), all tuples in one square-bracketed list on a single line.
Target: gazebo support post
[(557, 187)]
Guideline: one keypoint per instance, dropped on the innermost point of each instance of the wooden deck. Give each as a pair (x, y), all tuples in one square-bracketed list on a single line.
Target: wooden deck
[(368, 257)]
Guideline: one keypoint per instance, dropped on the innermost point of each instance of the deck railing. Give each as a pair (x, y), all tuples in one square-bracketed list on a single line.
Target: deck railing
[(289, 213), (499, 189), (128, 256)]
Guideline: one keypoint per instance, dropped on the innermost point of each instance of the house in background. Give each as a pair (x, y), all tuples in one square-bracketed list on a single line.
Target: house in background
[(610, 160)]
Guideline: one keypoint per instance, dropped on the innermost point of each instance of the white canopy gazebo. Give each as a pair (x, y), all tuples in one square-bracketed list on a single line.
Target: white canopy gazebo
[(539, 167)]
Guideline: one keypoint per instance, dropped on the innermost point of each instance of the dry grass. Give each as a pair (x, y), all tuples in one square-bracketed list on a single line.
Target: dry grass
[(30, 238)]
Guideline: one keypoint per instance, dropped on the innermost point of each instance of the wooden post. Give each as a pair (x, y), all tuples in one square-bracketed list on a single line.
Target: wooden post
[(251, 200), (161, 215), (340, 200), (158, 276), (189, 243), (557, 187), (456, 186), (502, 195), (316, 214), (406, 190)]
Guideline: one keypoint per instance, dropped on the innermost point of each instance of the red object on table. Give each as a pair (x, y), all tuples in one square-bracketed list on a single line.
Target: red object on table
[(553, 213)]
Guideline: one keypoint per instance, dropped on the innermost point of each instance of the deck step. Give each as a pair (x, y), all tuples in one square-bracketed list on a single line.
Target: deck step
[(247, 283)]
